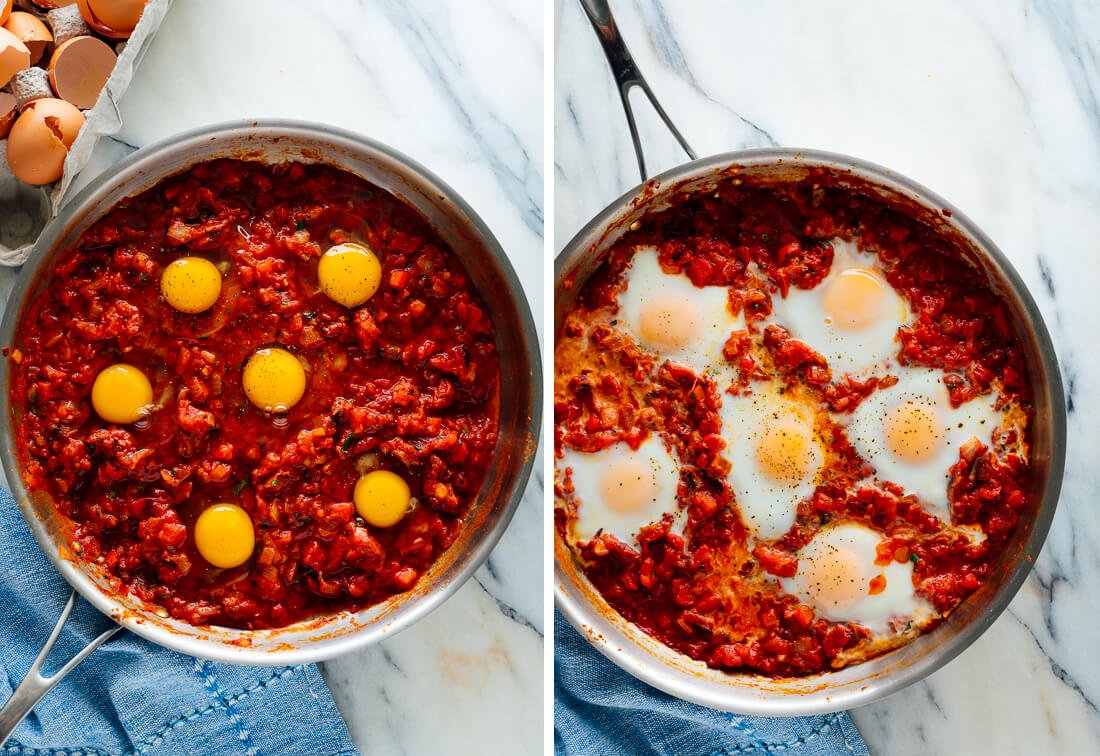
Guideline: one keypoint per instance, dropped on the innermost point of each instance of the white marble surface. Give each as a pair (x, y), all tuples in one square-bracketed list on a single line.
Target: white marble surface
[(458, 89), (992, 104)]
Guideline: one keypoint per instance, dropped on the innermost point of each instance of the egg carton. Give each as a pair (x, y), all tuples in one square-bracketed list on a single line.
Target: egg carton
[(24, 209)]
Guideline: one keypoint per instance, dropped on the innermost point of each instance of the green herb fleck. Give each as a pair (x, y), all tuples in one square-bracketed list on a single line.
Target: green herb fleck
[(240, 486), (144, 277), (913, 557), (112, 494), (300, 225), (274, 482), (348, 442)]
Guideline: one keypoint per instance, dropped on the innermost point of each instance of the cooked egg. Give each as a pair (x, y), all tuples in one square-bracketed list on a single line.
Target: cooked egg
[(668, 314), (911, 435), (619, 490), (851, 318), (382, 498), (349, 274), (775, 457), (838, 578), (225, 536), (122, 394), (274, 379), (191, 284)]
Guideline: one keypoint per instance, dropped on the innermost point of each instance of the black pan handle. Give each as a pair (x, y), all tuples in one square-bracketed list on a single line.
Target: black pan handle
[(627, 76)]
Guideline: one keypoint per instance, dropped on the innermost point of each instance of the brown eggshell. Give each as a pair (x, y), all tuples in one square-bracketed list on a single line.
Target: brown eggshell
[(31, 31), (50, 4), (69, 119), (36, 153), (79, 69), (9, 108), (112, 18), (5, 11), (14, 56)]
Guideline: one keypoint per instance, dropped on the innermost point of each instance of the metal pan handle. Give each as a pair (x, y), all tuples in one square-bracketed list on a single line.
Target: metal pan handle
[(627, 76), (35, 685)]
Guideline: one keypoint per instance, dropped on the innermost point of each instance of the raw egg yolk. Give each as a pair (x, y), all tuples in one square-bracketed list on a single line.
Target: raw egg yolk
[(628, 486), (669, 322), (913, 433), (382, 498), (191, 284), (836, 578), (274, 379), (855, 299), (785, 452), (224, 535), (349, 274), (121, 394)]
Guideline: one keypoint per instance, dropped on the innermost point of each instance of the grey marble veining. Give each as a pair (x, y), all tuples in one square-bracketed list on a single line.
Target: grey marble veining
[(995, 106), (423, 78)]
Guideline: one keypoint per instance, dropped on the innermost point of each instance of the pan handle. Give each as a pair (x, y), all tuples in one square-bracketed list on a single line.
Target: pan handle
[(627, 76), (35, 685)]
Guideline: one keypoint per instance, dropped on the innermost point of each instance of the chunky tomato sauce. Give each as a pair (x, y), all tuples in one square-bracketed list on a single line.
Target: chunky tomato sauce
[(407, 382), (713, 592)]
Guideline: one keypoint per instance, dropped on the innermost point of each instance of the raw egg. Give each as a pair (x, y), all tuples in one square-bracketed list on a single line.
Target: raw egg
[(382, 498), (121, 394), (349, 274), (224, 535), (79, 69), (31, 31), (40, 140), (14, 56), (274, 379), (112, 18), (191, 284)]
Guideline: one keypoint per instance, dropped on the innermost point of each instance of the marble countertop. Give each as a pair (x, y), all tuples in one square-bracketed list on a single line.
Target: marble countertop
[(419, 77), (992, 105)]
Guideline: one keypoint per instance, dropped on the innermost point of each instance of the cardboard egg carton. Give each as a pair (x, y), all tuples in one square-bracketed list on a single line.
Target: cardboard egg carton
[(24, 209)]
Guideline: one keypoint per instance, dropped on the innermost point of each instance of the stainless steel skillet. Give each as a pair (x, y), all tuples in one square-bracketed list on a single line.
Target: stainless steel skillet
[(656, 664), (520, 398)]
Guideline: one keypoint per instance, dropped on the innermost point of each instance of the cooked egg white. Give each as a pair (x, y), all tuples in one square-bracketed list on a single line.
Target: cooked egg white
[(911, 435), (851, 318), (775, 457), (838, 578), (619, 490), (669, 315)]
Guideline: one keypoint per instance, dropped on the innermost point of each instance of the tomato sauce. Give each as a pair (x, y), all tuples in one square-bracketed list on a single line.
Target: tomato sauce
[(709, 594), (407, 382)]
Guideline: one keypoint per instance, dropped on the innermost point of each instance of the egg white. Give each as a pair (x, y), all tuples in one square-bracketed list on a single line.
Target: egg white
[(645, 280), (595, 514), (896, 604), (768, 508), (859, 352), (865, 428)]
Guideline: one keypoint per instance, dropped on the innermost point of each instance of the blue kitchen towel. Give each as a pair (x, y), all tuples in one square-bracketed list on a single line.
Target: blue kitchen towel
[(600, 709), (131, 696)]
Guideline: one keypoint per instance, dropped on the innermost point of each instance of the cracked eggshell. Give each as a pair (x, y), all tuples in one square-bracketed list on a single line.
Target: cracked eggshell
[(112, 18), (79, 70), (9, 109), (40, 140), (31, 31), (14, 56)]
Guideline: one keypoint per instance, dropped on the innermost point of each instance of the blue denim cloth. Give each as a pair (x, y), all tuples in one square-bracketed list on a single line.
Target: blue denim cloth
[(131, 696), (600, 709)]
